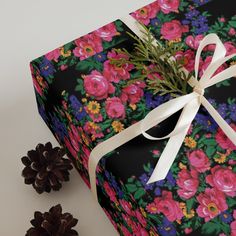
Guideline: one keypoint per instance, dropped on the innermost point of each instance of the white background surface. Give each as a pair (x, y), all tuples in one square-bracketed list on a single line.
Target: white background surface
[(29, 29)]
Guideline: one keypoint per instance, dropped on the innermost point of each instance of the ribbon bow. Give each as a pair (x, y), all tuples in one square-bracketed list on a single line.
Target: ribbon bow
[(190, 104)]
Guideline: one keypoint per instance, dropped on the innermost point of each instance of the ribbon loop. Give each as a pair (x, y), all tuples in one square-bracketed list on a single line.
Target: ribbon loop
[(220, 52), (191, 107)]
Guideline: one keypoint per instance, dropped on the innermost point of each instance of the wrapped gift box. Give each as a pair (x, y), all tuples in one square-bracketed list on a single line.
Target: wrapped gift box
[(84, 100)]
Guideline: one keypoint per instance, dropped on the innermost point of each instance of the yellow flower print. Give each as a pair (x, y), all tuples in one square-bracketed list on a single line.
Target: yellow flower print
[(68, 116), (143, 212), (117, 126), (221, 157), (133, 106), (40, 81), (93, 125), (187, 214), (94, 107), (190, 142), (151, 233), (85, 139), (63, 53), (182, 166)]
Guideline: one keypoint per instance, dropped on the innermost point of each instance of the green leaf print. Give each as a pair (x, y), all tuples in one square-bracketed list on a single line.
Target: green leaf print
[(139, 193), (211, 228), (131, 188)]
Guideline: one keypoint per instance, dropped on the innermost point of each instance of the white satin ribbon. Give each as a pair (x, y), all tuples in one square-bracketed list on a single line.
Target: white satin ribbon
[(189, 104)]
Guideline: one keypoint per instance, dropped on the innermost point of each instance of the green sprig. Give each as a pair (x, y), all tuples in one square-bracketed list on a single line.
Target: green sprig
[(171, 78)]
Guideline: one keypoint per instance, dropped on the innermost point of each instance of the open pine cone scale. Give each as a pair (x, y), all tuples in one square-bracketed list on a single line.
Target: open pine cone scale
[(53, 223), (45, 168)]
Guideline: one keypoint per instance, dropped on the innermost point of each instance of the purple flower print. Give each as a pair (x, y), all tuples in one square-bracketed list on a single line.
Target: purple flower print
[(167, 228), (58, 127), (232, 109), (78, 109), (154, 101), (206, 121), (100, 57), (198, 22), (46, 68), (222, 109), (200, 2)]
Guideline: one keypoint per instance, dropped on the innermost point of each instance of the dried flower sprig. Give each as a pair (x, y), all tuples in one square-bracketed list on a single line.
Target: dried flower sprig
[(156, 64)]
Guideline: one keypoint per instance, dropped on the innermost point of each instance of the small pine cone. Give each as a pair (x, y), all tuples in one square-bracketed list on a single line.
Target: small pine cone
[(52, 223), (45, 168)]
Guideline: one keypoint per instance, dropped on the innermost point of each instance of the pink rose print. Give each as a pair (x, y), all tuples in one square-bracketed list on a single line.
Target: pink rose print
[(96, 117), (193, 42), (139, 231), (152, 75), (110, 192), (234, 214), (37, 86), (133, 93), (188, 230), (127, 219), (126, 206), (63, 67), (233, 228), (98, 134), (232, 31), (212, 203), (223, 141), (96, 85), (115, 108), (74, 137), (230, 48), (53, 55), (125, 231), (188, 58), (94, 129), (188, 183), (206, 63), (84, 156), (168, 6), (107, 32), (152, 208), (114, 73), (233, 225), (88, 128), (39, 83), (223, 179), (168, 206), (146, 13), (173, 30), (87, 46), (140, 218), (73, 142), (71, 149), (199, 161)]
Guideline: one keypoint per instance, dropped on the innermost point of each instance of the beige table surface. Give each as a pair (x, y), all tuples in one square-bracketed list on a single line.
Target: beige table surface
[(28, 29)]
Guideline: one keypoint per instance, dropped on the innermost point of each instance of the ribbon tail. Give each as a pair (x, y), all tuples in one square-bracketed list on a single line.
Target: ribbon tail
[(229, 132), (175, 142), (167, 158)]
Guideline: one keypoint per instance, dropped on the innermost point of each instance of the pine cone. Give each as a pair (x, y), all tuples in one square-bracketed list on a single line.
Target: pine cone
[(45, 168), (52, 223)]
